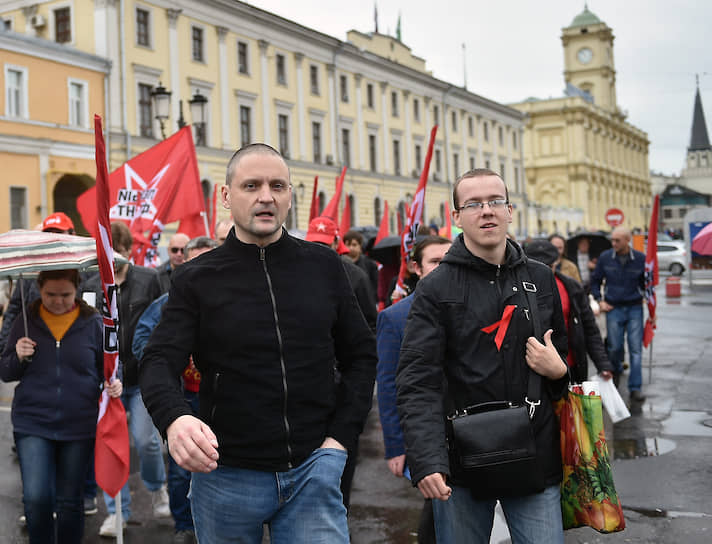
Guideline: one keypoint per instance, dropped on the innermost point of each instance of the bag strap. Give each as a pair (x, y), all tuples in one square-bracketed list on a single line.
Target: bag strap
[(533, 398)]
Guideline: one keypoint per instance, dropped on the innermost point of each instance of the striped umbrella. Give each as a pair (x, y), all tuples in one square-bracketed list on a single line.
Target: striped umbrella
[(26, 253), (29, 252)]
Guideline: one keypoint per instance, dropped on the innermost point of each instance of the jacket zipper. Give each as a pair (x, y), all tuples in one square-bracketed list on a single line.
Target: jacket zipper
[(281, 355), (216, 377), (59, 384)]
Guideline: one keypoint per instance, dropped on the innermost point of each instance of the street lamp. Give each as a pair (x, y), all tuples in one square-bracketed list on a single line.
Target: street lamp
[(162, 105), (197, 114)]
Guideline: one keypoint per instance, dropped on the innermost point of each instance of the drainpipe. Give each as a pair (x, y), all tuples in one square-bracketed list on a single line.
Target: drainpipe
[(122, 60)]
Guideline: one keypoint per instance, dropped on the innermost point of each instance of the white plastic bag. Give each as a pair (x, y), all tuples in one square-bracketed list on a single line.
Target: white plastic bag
[(612, 400)]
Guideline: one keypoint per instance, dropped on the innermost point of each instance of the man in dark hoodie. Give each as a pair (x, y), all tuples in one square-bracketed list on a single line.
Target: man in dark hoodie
[(469, 339)]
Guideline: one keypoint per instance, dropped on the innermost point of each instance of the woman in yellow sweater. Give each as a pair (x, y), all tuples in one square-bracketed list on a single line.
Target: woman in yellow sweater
[(59, 364)]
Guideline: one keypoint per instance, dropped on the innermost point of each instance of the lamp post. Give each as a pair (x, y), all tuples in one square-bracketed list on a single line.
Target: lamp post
[(162, 105), (197, 113)]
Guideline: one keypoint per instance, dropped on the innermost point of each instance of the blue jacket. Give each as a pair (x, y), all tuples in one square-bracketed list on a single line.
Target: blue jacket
[(625, 285), (146, 323), (389, 335), (58, 394)]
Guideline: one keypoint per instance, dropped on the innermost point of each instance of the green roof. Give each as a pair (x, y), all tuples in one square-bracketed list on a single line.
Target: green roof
[(585, 18)]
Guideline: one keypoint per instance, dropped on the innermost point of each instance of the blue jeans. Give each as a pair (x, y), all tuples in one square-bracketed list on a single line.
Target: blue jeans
[(303, 505), (52, 481), (628, 320), (532, 519), (179, 481), (148, 446)]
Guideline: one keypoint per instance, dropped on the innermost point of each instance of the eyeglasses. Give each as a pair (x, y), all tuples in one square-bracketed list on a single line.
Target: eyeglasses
[(177, 250), (496, 204)]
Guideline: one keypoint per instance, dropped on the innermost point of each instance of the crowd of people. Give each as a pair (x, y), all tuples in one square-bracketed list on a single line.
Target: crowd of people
[(254, 356)]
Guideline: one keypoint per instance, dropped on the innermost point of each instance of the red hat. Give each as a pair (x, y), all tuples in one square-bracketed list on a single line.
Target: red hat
[(321, 229), (58, 221)]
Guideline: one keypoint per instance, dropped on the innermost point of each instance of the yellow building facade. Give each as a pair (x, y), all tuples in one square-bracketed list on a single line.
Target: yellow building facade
[(366, 102), (46, 131), (582, 157)]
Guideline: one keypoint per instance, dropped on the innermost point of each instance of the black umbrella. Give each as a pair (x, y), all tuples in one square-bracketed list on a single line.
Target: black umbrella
[(598, 243), (387, 251)]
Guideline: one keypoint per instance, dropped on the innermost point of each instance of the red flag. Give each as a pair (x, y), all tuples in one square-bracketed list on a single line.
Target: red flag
[(383, 229), (159, 186), (415, 216), (332, 208), (447, 230), (111, 453), (314, 209), (346, 217), (651, 273)]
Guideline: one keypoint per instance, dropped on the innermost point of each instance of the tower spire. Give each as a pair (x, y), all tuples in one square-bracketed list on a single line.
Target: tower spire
[(699, 140)]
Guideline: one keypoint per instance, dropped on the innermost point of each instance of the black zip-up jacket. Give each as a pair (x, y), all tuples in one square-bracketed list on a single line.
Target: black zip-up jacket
[(135, 294), (584, 336), (448, 362), (266, 327)]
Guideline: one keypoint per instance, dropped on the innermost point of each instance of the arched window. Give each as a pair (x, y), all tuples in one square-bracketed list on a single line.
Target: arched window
[(401, 218), (322, 201), (377, 212), (443, 211), (292, 214), (352, 207)]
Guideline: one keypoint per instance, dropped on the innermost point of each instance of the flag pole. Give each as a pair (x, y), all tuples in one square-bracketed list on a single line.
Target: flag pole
[(650, 363), (119, 519)]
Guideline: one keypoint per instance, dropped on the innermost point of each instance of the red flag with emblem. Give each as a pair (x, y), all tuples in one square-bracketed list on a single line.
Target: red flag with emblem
[(111, 452), (415, 216), (157, 187), (651, 273)]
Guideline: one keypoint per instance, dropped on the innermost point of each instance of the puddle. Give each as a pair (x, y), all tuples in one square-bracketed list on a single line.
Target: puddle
[(687, 423), (659, 513), (633, 448)]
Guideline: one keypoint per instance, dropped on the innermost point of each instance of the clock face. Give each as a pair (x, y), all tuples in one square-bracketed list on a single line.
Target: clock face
[(584, 55)]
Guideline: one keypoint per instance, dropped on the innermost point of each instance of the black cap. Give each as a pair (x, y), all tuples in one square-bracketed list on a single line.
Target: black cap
[(542, 251)]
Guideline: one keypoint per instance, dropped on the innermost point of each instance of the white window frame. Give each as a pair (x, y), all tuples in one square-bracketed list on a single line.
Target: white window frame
[(24, 112), (204, 51), (344, 97), (27, 204), (151, 40), (247, 71), (285, 108), (318, 80), (249, 100), (84, 102), (72, 21), (277, 82)]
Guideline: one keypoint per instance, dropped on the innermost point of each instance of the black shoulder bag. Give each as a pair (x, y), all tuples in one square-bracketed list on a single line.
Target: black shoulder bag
[(494, 443)]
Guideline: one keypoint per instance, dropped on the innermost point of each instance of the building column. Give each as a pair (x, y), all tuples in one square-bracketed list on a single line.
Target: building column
[(224, 106), (302, 140), (333, 114), (360, 128), (384, 119), (480, 141), (426, 119), (495, 148), (265, 92), (409, 165), (447, 151), (44, 170)]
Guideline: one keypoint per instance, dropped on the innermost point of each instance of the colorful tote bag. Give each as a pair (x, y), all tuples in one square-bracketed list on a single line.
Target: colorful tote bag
[(588, 496)]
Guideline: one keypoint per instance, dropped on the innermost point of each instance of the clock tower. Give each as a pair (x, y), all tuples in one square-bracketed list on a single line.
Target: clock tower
[(588, 58)]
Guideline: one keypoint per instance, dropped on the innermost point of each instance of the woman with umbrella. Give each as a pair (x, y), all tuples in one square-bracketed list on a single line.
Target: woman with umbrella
[(58, 360)]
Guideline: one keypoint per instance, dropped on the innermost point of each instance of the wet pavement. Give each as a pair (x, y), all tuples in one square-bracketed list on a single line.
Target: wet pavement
[(662, 455)]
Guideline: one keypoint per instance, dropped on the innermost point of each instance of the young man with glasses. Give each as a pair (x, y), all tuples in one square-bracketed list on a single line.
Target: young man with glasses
[(469, 339)]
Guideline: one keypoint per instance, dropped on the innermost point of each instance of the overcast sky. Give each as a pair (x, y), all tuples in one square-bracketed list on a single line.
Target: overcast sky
[(514, 51)]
